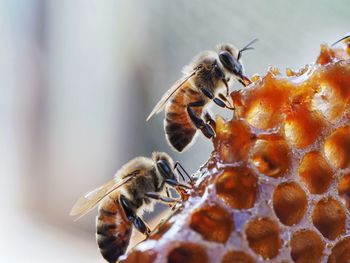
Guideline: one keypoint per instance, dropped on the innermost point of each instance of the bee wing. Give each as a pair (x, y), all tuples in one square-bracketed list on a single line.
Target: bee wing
[(88, 201), (160, 105)]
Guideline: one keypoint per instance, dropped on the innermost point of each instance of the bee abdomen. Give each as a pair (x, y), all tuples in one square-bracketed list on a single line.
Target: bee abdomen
[(178, 126), (179, 136), (113, 231)]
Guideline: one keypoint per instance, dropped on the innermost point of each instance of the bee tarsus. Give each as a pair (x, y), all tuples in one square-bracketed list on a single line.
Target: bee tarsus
[(162, 198), (197, 121), (131, 215), (208, 119), (177, 166), (208, 131), (218, 101)]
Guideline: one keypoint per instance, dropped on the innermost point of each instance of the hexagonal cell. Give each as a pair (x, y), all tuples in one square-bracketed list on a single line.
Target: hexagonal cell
[(232, 141), (263, 237), (336, 78), (340, 252), (329, 218), (306, 247), (328, 101), (344, 190), (262, 107), (237, 187), (188, 252), (213, 222), (337, 147), (271, 157), (237, 257), (147, 256), (315, 172), (302, 126), (289, 203)]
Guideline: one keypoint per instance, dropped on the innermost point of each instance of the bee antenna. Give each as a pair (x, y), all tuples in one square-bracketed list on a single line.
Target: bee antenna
[(340, 40), (246, 47)]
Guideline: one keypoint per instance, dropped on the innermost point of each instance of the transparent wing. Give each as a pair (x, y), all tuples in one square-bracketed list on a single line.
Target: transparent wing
[(160, 105), (87, 202)]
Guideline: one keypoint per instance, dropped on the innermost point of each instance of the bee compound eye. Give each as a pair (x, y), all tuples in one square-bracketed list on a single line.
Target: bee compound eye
[(226, 59), (230, 63), (164, 168)]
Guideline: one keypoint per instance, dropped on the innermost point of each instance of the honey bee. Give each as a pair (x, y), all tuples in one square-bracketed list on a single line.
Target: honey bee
[(202, 79), (122, 200)]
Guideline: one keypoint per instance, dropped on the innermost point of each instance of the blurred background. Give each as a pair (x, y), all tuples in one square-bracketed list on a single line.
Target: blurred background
[(78, 78)]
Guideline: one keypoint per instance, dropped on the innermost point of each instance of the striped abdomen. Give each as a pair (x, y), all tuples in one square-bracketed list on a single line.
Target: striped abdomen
[(178, 126), (113, 230)]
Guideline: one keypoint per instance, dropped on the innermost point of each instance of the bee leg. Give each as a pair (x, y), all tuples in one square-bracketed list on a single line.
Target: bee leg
[(217, 101), (177, 164), (242, 82), (224, 98), (198, 122), (159, 197), (141, 226), (168, 195), (208, 131), (209, 119), (175, 183), (135, 219)]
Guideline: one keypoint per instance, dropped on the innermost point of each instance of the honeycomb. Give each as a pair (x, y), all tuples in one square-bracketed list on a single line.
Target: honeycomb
[(277, 185)]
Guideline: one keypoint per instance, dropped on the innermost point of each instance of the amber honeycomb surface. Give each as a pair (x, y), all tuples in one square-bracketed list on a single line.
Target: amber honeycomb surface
[(277, 185)]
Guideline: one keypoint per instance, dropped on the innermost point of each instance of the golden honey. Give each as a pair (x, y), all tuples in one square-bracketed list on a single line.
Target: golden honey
[(277, 185)]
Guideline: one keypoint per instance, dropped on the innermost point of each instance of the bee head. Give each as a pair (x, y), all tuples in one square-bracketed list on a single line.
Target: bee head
[(164, 165), (228, 55), (230, 58)]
